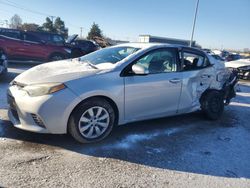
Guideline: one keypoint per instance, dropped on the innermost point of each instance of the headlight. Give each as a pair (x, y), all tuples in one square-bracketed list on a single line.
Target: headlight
[(67, 50), (43, 89)]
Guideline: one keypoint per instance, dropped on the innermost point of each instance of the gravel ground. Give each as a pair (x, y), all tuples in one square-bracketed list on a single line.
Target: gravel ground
[(181, 151)]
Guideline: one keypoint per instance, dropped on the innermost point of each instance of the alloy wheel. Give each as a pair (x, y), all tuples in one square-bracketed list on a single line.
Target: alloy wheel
[(94, 122)]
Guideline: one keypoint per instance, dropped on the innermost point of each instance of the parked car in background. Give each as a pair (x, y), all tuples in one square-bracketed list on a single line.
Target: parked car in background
[(242, 66), (30, 47), (88, 96), (3, 63), (221, 53), (49, 38), (211, 53), (81, 47), (217, 57), (232, 57)]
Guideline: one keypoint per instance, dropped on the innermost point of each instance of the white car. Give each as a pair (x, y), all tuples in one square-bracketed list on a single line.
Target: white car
[(3, 64), (242, 66), (130, 82)]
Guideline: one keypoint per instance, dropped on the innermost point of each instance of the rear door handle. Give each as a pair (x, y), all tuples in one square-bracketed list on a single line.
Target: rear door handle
[(205, 76), (175, 80)]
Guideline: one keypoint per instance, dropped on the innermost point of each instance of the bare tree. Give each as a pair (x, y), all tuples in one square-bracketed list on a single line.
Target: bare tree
[(15, 22)]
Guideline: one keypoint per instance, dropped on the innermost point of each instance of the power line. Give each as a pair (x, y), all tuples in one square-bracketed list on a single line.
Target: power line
[(81, 32), (15, 5), (19, 6)]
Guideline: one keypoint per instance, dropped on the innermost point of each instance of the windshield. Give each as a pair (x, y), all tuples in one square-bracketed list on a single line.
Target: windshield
[(108, 55)]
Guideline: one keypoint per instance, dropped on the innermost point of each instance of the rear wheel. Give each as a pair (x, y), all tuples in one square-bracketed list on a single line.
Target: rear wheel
[(92, 121), (212, 104)]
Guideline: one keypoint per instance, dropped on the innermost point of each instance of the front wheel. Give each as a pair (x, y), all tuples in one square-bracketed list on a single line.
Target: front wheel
[(92, 121), (212, 104), (4, 64)]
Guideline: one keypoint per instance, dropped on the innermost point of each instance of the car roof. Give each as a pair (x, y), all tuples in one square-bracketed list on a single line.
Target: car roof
[(149, 45), (146, 45)]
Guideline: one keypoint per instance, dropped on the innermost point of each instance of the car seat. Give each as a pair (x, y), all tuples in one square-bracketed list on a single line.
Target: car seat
[(156, 66)]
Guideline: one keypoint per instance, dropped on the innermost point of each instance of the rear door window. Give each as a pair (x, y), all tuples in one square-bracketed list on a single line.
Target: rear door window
[(57, 39), (31, 38), (194, 61)]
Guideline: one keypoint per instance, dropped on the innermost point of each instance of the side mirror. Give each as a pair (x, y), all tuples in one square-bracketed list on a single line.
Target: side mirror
[(139, 70)]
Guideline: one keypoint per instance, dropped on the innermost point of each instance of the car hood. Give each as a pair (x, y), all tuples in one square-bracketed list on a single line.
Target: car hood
[(59, 71), (238, 63)]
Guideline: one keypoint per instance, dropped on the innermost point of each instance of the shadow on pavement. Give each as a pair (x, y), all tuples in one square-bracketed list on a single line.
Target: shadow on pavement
[(184, 143)]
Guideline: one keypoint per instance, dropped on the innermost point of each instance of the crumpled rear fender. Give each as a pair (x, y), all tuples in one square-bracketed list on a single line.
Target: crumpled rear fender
[(197, 83)]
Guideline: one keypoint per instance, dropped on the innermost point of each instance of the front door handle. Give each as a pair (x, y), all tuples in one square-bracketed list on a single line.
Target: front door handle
[(175, 80)]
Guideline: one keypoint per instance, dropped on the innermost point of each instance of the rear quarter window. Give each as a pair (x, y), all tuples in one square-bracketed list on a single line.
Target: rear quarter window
[(10, 34)]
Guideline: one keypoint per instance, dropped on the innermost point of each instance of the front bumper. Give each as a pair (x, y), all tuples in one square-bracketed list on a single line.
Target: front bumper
[(244, 74), (43, 114), (229, 88)]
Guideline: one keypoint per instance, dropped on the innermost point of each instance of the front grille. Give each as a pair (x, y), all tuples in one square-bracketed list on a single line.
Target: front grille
[(15, 114), (11, 101), (38, 120), (12, 104)]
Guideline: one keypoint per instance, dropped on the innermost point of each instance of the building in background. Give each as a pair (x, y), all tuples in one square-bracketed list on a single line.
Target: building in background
[(149, 38)]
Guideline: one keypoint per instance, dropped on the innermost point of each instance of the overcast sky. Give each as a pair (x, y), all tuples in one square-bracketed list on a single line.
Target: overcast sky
[(220, 23)]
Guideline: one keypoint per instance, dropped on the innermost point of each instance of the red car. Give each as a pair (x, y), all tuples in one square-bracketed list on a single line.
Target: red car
[(24, 46)]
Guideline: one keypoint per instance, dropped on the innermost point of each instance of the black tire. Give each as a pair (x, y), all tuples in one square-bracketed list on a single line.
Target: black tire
[(76, 53), (5, 71), (73, 124), (212, 104), (56, 57)]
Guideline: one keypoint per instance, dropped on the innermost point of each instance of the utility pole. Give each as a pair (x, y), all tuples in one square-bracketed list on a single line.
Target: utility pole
[(195, 15), (81, 32), (52, 18), (7, 23)]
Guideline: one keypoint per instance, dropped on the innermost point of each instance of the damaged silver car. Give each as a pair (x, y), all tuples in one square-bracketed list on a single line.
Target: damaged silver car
[(130, 82)]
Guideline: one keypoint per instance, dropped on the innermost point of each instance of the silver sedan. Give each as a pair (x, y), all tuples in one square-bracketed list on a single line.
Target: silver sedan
[(131, 82)]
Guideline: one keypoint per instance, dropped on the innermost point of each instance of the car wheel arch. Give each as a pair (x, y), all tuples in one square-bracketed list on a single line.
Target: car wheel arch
[(3, 51), (108, 99), (206, 92)]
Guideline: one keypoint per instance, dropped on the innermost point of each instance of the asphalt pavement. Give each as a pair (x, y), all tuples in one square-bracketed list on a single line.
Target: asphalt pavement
[(180, 151)]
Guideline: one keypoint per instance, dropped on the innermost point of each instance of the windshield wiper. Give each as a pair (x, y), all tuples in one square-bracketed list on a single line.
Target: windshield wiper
[(90, 64)]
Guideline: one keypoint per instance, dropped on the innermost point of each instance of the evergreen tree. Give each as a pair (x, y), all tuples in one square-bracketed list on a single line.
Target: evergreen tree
[(48, 25), (60, 27), (95, 31)]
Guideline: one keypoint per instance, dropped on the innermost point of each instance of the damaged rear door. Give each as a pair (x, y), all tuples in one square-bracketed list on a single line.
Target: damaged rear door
[(198, 75)]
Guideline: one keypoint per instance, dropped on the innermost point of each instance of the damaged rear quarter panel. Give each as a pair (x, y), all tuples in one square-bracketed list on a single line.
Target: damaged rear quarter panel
[(196, 82)]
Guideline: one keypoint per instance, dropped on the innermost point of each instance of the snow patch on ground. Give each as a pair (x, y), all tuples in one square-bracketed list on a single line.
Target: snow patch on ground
[(240, 104), (131, 140), (243, 94)]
